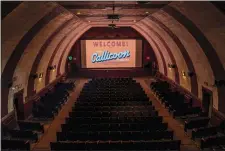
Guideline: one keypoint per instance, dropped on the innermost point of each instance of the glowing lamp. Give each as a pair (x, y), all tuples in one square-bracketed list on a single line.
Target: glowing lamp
[(183, 74), (40, 75)]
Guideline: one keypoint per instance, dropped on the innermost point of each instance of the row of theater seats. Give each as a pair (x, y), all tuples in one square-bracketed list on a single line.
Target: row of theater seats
[(115, 135), (49, 104), (114, 114), (28, 132), (174, 100), (117, 109), (21, 138), (195, 120), (117, 145), (97, 113)]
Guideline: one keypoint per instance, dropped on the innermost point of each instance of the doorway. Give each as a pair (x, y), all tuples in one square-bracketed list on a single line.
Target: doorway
[(19, 105), (207, 101)]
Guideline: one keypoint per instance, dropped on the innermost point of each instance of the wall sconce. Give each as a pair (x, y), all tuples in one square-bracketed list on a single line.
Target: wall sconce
[(34, 76), (52, 68), (183, 74), (40, 75), (16, 87), (171, 66)]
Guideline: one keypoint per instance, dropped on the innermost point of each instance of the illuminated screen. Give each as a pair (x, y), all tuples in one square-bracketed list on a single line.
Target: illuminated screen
[(111, 53)]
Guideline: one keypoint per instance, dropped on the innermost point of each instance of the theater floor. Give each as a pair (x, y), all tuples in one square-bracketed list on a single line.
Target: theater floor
[(50, 135)]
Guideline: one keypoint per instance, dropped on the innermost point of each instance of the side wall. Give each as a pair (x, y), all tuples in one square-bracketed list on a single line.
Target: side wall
[(196, 44)]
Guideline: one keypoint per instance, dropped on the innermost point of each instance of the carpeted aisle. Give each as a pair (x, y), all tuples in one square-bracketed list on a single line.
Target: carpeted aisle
[(55, 126), (186, 143)]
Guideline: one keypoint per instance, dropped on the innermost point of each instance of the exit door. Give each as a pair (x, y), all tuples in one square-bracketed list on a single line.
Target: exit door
[(207, 101), (19, 105)]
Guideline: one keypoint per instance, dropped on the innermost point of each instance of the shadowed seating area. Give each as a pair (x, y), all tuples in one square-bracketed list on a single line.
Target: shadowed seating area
[(114, 114), (29, 131), (49, 105), (196, 123), (112, 75)]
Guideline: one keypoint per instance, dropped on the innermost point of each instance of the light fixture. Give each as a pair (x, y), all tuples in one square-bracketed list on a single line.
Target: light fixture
[(40, 75), (146, 12), (54, 67), (78, 13), (171, 66), (183, 74)]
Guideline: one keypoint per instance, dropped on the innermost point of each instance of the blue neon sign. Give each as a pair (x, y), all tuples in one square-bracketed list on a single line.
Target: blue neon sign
[(106, 56)]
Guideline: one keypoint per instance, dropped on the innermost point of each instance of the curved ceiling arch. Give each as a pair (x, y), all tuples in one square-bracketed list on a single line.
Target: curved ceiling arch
[(206, 46), (159, 57), (168, 53), (189, 47), (153, 41), (40, 65), (180, 49), (58, 46), (71, 42)]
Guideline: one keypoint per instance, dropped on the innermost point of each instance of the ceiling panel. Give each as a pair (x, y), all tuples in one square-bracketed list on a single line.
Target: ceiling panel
[(94, 11)]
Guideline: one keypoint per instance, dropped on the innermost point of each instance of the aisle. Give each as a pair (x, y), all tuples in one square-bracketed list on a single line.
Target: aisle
[(186, 143), (55, 126)]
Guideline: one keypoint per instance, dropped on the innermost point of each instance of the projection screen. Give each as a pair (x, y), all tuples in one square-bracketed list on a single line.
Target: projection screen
[(111, 53)]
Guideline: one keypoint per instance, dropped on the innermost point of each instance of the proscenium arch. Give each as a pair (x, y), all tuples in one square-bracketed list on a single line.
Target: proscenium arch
[(51, 40), (62, 48), (177, 78), (69, 49), (50, 63), (152, 43), (159, 57), (71, 42)]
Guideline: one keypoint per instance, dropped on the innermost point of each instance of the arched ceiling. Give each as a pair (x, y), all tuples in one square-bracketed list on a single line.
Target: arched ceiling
[(36, 35)]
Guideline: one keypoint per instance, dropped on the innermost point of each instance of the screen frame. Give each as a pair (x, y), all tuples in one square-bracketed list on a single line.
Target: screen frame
[(142, 53)]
